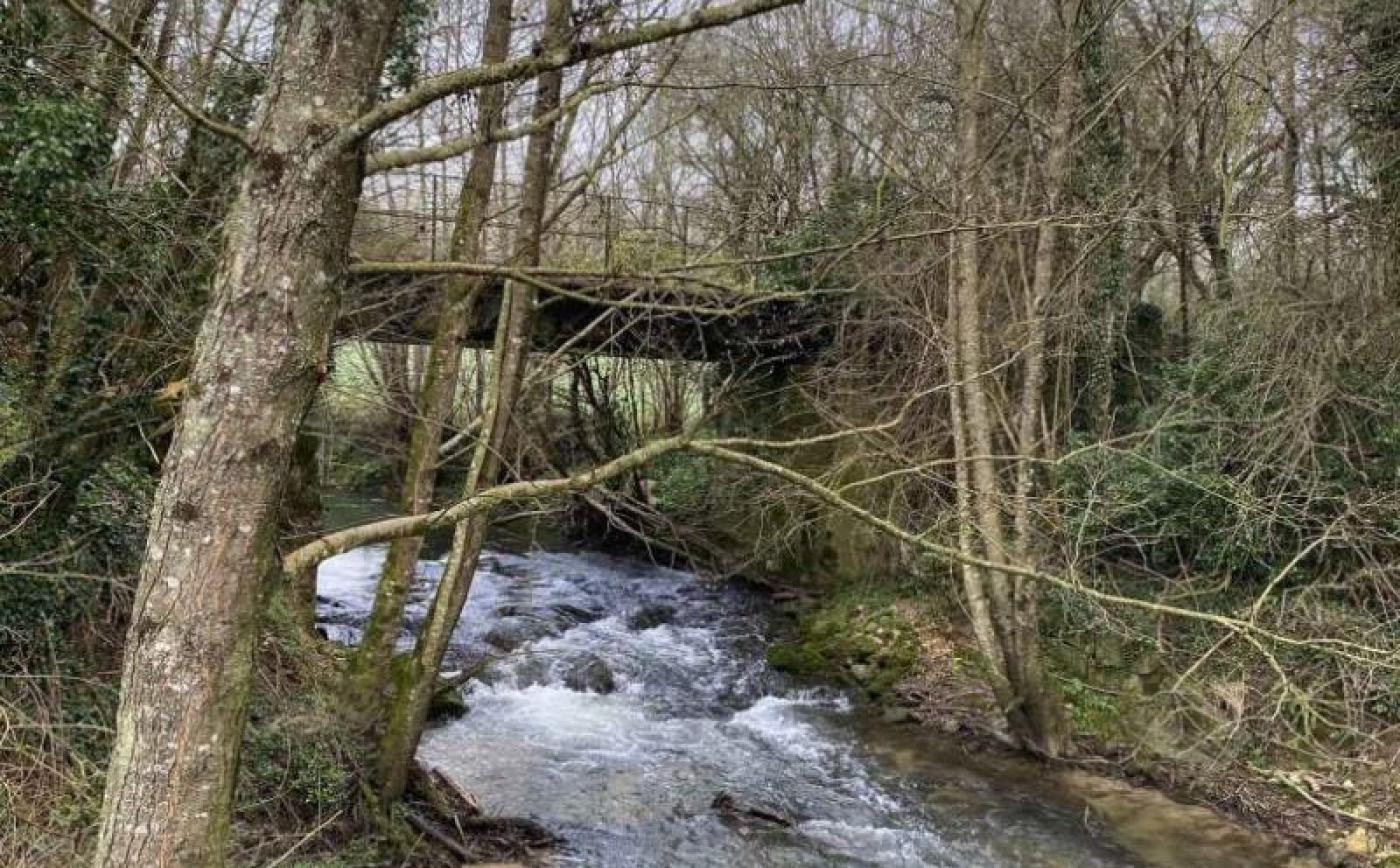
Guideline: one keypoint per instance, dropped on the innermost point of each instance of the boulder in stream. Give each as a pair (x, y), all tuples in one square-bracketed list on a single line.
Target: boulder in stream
[(511, 634), (651, 616), (447, 705), (590, 674), (574, 615), (731, 810)]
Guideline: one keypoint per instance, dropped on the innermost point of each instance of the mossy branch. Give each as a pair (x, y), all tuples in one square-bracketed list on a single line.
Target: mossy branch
[(415, 525)]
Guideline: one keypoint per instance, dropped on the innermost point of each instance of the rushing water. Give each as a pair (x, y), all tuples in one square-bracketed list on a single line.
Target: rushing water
[(628, 777)]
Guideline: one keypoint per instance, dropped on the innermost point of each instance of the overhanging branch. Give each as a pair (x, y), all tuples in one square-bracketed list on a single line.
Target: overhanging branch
[(401, 158), (475, 77)]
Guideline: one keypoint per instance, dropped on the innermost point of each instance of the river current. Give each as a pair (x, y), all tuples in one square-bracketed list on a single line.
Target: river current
[(628, 777)]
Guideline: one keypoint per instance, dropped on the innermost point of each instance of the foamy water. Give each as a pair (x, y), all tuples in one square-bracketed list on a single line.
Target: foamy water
[(628, 777)]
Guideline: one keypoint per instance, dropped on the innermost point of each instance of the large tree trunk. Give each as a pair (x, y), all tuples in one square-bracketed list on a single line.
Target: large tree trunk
[(260, 354), (439, 387), (417, 675)]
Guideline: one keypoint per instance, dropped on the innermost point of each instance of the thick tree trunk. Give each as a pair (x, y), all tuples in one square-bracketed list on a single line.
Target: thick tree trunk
[(439, 388), (260, 354), (416, 677)]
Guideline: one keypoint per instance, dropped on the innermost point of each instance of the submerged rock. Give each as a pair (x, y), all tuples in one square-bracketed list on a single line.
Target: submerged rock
[(575, 615), (510, 635), (590, 674), (651, 616), (732, 811)]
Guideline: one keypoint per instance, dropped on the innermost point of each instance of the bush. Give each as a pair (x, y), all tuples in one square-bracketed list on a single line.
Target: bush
[(1271, 435)]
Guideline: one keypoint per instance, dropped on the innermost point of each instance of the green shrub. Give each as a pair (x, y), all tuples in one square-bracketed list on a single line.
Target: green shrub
[(298, 768), (1221, 480), (681, 484)]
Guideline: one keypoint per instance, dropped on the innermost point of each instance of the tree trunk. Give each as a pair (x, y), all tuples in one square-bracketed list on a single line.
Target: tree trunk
[(416, 677), (1103, 173), (439, 388), (1003, 610), (261, 352), (1043, 709)]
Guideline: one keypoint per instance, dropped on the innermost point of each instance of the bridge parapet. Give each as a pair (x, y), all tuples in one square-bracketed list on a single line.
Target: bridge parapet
[(651, 316)]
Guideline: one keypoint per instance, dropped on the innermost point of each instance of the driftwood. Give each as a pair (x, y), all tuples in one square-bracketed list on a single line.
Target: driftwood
[(451, 817), (442, 794)]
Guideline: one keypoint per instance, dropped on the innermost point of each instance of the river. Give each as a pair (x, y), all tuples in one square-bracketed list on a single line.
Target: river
[(628, 777)]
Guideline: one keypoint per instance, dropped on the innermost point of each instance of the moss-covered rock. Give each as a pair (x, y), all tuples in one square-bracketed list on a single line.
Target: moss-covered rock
[(867, 644)]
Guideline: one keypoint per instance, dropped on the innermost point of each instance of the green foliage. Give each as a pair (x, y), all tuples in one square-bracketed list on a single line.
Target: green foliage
[(1203, 486), (51, 149), (681, 485), (1374, 30), (401, 68), (859, 638), (102, 535), (52, 140), (850, 212), (1093, 711), (299, 768)]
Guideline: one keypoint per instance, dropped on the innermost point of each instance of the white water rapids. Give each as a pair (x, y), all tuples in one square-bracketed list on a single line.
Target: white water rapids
[(628, 777)]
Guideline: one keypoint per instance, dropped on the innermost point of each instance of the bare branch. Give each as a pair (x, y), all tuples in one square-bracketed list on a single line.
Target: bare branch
[(161, 82), (474, 77), (385, 161)]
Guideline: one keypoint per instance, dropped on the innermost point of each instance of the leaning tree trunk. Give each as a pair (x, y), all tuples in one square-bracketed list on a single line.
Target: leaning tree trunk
[(370, 665), (261, 352), (417, 679)]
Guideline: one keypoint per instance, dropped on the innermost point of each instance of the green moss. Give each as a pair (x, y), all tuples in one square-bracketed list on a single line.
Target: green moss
[(1093, 712), (858, 638)]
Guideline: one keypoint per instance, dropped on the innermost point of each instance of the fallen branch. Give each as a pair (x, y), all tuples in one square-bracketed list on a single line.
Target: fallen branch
[(414, 525)]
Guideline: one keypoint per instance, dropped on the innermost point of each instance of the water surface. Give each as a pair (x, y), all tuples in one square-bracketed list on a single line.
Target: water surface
[(628, 777)]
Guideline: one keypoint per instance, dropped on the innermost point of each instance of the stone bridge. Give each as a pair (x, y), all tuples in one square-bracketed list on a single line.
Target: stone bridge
[(636, 302), (650, 316)]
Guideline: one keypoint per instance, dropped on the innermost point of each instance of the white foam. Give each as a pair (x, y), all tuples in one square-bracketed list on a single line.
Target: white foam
[(349, 578)]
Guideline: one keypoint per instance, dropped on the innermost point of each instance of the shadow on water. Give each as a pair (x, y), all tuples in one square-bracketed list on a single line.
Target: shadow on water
[(633, 695)]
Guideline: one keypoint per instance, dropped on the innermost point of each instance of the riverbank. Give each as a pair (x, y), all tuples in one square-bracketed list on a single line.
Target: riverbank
[(915, 664)]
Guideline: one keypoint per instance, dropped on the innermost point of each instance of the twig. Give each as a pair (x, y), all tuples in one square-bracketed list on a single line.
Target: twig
[(304, 838)]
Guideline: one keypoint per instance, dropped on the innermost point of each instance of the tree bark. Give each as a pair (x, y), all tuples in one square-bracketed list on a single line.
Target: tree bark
[(1002, 608), (260, 354), (370, 663), (1043, 708), (416, 676)]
